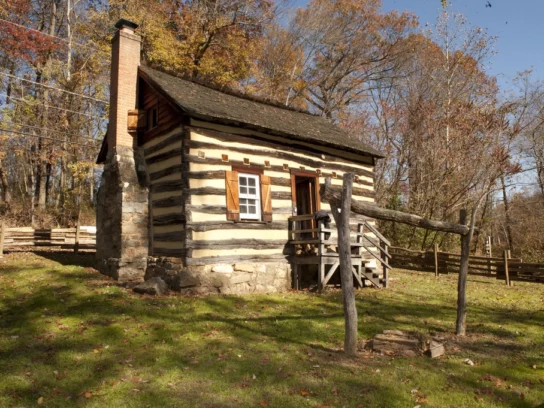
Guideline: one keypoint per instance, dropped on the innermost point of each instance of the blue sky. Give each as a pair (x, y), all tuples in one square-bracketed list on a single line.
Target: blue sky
[(517, 24)]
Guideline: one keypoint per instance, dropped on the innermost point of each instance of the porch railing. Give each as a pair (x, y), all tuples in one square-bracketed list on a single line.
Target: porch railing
[(310, 238)]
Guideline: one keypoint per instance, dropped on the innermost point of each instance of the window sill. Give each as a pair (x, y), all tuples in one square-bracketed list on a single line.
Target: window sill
[(250, 222)]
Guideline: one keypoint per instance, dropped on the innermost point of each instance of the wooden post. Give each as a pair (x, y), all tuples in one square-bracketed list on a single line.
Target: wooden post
[(506, 272), (76, 246), (436, 260), (462, 284), (321, 271), (2, 236), (341, 217)]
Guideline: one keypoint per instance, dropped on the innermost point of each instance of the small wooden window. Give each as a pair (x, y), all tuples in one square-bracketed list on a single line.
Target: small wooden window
[(153, 117)]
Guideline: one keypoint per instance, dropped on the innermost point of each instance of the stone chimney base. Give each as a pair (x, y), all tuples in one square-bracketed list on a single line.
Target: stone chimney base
[(122, 216)]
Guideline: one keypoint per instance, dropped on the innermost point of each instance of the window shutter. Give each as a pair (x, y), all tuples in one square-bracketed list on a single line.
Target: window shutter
[(233, 200), (266, 198)]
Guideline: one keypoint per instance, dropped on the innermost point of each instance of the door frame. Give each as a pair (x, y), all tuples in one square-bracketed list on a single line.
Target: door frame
[(317, 196)]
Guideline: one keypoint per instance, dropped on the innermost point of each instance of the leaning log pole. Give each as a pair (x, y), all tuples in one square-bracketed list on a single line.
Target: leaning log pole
[(334, 195)]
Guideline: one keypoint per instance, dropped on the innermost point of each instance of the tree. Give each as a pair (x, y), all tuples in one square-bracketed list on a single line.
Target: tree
[(47, 119), (209, 40), (342, 48)]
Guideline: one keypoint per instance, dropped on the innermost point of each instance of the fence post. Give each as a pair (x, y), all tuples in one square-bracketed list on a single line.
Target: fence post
[(76, 245), (506, 274), (2, 236), (436, 260)]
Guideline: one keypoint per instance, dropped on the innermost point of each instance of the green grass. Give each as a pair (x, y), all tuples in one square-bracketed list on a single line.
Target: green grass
[(70, 337)]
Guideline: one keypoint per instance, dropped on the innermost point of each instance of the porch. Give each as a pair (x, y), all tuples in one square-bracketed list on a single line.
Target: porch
[(313, 243)]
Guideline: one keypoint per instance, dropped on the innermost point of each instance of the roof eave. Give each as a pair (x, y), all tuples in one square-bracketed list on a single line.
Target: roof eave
[(226, 121)]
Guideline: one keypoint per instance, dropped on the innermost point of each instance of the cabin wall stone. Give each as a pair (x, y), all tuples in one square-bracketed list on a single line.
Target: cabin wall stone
[(122, 216), (221, 278)]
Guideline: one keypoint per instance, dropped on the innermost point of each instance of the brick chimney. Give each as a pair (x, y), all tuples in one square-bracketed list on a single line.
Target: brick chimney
[(122, 200), (125, 59)]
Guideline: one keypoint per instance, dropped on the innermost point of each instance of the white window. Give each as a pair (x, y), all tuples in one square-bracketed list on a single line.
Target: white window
[(250, 196)]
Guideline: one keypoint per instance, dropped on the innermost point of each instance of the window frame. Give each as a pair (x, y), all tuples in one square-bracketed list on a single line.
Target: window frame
[(246, 216), (152, 112), (233, 199)]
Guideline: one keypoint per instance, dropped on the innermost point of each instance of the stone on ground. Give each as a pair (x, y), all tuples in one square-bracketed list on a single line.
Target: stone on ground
[(436, 349), (153, 286)]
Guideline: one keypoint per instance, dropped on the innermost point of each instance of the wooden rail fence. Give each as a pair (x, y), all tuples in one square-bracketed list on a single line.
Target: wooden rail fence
[(81, 237), (445, 262)]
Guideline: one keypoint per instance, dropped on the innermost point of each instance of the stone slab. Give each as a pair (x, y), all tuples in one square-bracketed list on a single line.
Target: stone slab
[(436, 349), (153, 286)]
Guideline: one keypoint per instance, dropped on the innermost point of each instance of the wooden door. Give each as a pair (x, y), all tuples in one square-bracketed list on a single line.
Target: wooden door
[(305, 197)]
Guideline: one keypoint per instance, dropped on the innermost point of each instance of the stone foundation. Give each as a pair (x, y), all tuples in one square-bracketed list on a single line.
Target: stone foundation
[(238, 278)]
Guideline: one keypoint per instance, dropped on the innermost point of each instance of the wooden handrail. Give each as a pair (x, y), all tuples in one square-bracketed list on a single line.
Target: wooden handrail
[(377, 257), (295, 231), (304, 217), (376, 245), (377, 233)]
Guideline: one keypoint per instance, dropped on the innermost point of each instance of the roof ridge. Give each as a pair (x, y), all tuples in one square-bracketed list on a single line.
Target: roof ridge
[(227, 90)]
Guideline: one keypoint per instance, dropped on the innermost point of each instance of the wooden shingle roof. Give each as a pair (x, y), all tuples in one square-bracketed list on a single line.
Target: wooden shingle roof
[(201, 102)]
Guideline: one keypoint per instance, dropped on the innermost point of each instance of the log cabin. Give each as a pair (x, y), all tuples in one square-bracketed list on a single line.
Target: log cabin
[(217, 192)]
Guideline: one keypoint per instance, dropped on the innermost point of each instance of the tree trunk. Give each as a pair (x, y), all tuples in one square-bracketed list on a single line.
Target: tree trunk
[(341, 217), (6, 194), (41, 184), (32, 192), (48, 180), (508, 221), (42, 163)]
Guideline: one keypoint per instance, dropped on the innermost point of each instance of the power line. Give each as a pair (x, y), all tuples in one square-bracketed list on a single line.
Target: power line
[(53, 36), (55, 107), (49, 138), (54, 88), (44, 128)]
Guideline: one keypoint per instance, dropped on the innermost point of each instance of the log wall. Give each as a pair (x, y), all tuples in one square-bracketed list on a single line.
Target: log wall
[(186, 167), (213, 149), (163, 155)]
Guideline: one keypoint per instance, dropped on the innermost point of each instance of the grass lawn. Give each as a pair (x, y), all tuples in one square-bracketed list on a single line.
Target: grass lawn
[(70, 337)]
